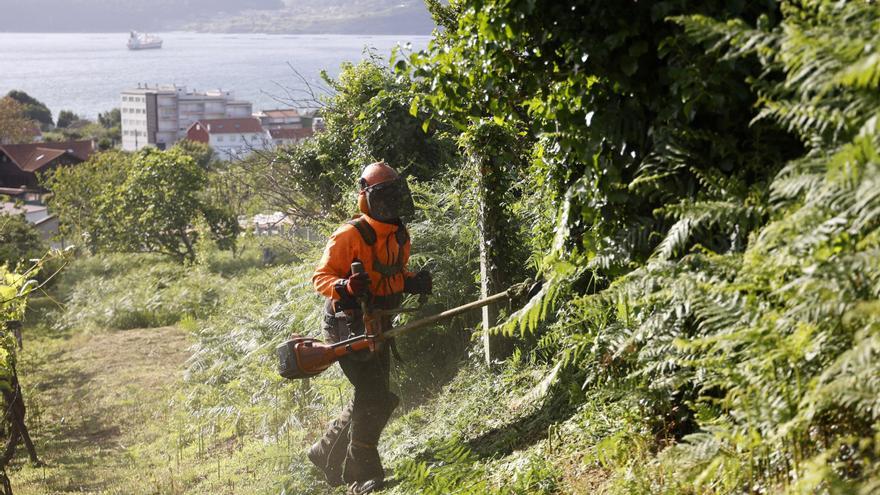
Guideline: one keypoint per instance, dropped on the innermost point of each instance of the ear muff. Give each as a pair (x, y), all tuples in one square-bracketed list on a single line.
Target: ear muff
[(363, 205)]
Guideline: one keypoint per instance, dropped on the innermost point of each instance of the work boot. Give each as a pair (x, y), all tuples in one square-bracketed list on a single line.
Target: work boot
[(363, 466), (328, 453), (364, 487)]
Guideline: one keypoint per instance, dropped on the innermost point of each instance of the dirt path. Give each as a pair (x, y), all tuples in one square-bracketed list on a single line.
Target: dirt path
[(91, 398)]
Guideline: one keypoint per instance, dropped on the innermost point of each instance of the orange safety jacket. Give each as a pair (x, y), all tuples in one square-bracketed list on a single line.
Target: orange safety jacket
[(347, 244)]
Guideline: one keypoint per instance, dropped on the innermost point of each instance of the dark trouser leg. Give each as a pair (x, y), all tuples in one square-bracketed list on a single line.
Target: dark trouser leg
[(371, 408), (328, 454)]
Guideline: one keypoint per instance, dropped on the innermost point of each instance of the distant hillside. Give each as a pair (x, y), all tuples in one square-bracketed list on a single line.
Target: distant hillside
[(340, 16), (269, 16)]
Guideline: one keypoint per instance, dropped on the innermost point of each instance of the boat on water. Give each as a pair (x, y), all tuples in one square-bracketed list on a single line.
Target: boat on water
[(143, 41)]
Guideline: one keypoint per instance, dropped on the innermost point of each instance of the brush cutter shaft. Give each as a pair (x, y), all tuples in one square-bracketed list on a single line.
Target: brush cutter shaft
[(303, 357), (449, 313)]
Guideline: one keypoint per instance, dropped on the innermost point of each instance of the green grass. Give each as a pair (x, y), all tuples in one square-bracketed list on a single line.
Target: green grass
[(136, 384)]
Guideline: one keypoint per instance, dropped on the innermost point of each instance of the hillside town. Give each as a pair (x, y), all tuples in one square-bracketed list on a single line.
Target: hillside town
[(149, 116), (163, 115)]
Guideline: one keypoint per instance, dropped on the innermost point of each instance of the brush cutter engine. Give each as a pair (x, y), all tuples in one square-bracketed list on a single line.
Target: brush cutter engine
[(303, 357)]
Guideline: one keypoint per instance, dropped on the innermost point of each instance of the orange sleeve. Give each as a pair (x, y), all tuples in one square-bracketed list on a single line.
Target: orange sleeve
[(335, 262)]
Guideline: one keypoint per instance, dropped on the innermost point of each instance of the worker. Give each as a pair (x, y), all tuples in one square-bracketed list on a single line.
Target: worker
[(347, 453)]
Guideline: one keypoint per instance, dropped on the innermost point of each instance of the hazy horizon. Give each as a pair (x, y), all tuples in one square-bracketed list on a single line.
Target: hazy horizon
[(225, 16)]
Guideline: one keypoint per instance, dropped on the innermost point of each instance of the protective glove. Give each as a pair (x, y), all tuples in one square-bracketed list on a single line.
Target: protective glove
[(358, 284), (420, 283)]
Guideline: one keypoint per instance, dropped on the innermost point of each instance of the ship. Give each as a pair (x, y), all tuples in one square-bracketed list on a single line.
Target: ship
[(143, 41)]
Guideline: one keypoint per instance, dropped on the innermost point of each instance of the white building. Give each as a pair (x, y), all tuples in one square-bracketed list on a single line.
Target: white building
[(231, 138), (161, 116), (286, 118)]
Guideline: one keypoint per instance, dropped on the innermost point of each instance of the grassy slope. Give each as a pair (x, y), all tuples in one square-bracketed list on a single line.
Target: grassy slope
[(91, 398), (117, 410)]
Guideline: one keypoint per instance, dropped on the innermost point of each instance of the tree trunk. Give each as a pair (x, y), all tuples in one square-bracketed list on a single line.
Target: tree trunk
[(489, 147)]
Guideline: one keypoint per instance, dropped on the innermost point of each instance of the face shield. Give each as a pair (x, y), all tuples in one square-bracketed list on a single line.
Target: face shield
[(390, 200)]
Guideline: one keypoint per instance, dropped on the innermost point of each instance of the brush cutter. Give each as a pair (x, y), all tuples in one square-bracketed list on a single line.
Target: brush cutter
[(304, 357)]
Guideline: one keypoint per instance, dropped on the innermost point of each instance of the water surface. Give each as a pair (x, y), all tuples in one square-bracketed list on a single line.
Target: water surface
[(86, 72)]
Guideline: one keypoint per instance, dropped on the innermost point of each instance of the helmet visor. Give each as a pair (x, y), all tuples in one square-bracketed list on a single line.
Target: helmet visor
[(390, 200)]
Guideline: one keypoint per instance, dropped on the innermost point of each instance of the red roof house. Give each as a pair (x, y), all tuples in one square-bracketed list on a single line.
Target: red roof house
[(231, 138), (283, 137), (21, 163)]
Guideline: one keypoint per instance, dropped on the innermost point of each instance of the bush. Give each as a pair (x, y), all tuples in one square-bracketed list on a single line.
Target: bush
[(144, 202), (19, 241)]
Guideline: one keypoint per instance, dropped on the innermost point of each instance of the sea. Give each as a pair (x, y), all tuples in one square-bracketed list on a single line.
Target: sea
[(85, 73)]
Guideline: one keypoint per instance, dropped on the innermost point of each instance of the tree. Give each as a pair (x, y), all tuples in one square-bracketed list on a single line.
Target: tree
[(78, 194), (66, 118), (110, 119), (145, 202), (495, 153), (34, 109), (203, 155), (15, 127), (19, 241), (366, 120)]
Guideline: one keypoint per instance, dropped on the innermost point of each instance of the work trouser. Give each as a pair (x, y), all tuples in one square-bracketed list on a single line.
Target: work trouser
[(352, 439)]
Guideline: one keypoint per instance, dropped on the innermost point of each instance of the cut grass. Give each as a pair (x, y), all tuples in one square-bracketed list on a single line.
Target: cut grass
[(90, 397), (102, 410)]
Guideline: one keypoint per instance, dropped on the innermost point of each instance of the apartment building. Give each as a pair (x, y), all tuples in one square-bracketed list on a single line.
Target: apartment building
[(160, 116), (286, 118)]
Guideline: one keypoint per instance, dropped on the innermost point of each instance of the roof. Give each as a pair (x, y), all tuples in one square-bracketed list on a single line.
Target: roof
[(34, 156), (13, 191), (291, 133), (10, 208), (289, 112), (231, 126), (45, 219)]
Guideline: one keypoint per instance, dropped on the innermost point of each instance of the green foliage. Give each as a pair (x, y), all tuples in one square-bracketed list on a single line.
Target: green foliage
[(123, 292), (78, 196), (367, 119), (110, 119), (145, 202), (714, 189), (66, 118), (19, 241), (698, 184), (755, 367), (201, 153), (34, 109), (16, 286)]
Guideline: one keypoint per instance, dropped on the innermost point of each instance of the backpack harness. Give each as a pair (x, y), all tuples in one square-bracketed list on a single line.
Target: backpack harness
[(369, 236)]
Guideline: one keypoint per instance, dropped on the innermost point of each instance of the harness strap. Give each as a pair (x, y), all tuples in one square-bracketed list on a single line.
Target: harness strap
[(364, 229), (368, 234)]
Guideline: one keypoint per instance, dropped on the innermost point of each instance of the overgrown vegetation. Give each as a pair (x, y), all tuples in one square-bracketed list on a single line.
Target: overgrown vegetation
[(696, 182), (705, 252)]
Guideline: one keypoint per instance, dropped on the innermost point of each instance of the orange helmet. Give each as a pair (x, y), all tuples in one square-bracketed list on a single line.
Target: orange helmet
[(376, 173), (384, 194)]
